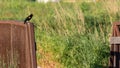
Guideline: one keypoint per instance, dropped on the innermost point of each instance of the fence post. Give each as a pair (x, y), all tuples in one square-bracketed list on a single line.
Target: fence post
[(114, 61), (17, 45)]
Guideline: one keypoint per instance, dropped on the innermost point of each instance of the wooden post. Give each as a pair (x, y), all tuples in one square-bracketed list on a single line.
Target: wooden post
[(114, 61), (17, 45)]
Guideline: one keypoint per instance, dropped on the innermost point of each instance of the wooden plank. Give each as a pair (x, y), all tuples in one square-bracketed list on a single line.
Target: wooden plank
[(115, 40)]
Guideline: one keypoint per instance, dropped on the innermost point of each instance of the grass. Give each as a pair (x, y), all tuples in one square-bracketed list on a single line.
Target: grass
[(68, 35)]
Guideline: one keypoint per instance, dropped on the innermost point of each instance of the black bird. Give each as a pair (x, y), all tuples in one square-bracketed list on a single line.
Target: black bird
[(28, 18)]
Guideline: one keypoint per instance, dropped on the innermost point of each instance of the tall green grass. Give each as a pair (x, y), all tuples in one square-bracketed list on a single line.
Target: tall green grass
[(68, 35)]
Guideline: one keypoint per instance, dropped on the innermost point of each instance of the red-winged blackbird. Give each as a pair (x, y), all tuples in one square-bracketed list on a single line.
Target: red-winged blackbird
[(28, 18)]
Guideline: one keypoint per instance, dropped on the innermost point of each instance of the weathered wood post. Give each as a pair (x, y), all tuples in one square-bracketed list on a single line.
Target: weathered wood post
[(17, 45), (114, 61)]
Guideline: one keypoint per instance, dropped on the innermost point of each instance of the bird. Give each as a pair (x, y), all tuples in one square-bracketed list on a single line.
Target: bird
[(28, 18)]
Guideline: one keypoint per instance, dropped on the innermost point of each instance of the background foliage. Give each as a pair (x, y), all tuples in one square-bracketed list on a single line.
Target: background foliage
[(68, 34)]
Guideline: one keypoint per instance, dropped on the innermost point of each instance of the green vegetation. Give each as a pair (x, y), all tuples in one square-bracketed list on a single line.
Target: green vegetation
[(68, 35)]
